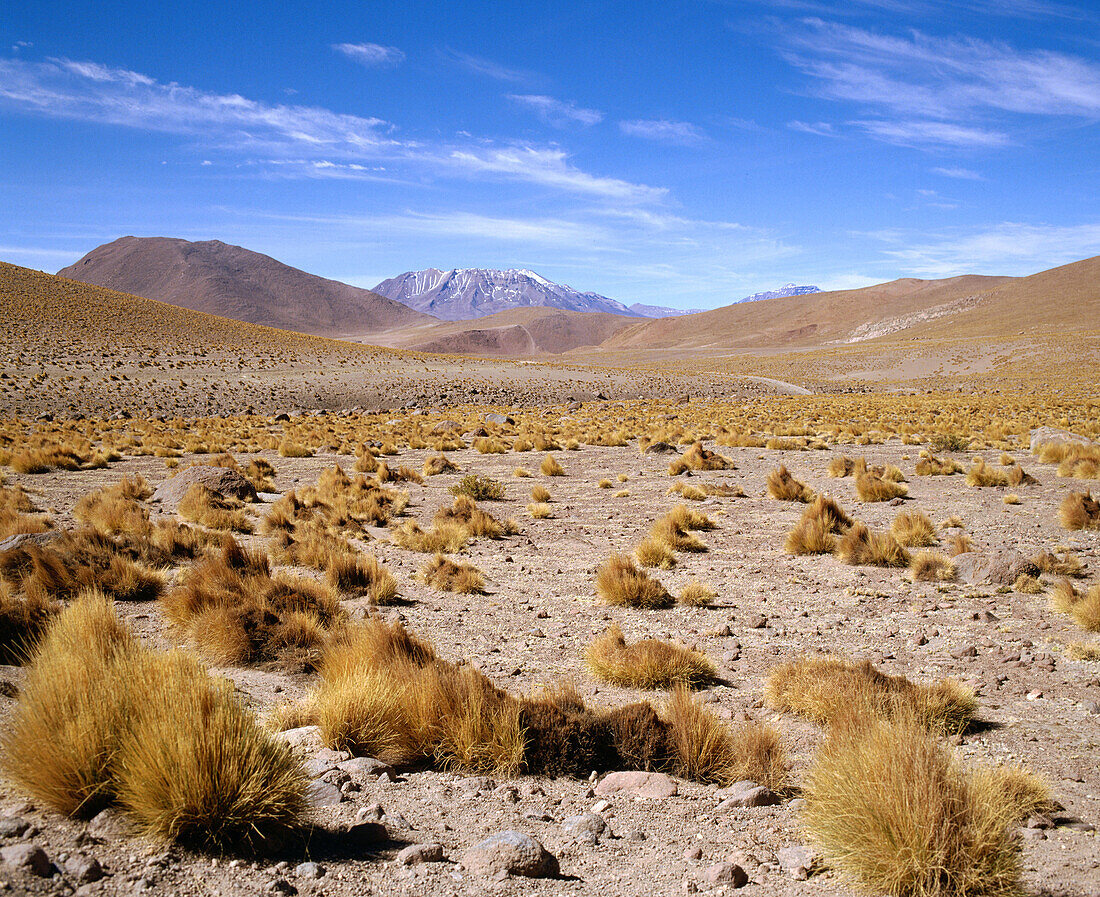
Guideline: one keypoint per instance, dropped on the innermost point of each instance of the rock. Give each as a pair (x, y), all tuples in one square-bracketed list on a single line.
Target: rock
[(366, 835), (83, 868), (306, 739), (320, 793), (1001, 567), (282, 886), (415, 854), (446, 426), (755, 621), (745, 794), (108, 825), (497, 418), (476, 784), (21, 539), (797, 861), (654, 785), (281, 417), (27, 856), (226, 482), (362, 769), (725, 874), (510, 853), (693, 853), (309, 870), (13, 826), (587, 827), (659, 448), (1042, 435), (316, 768)]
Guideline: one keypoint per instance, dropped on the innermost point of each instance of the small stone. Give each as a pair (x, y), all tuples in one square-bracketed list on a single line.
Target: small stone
[(510, 853), (746, 794), (415, 854), (725, 874), (317, 768), (321, 794), (755, 621), (635, 835), (693, 853), (108, 825), (362, 769), (27, 856), (282, 886), (600, 806), (1091, 706), (964, 651), (13, 826), (305, 738), (365, 835), (310, 870), (587, 827), (796, 861), (653, 785), (82, 868)]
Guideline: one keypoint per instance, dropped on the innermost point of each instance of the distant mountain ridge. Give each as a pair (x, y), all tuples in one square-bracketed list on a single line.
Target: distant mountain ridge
[(662, 311), (783, 292), (234, 282), (461, 294)]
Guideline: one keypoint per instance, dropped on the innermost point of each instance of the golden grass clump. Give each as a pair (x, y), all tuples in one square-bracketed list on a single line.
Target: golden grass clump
[(540, 510), (551, 468), (840, 466), (233, 611), (912, 528), (960, 544), (931, 566), (540, 493), (446, 537), (1079, 511), (478, 487), (931, 466), (862, 547), (674, 530), (873, 487), (1066, 565), (1026, 584), (699, 458), (23, 619), (783, 486), (824, 689), (486, 445), (1088, 652), (1084, 607), (443, 573), (982, 474), (466, 514), (696, 594), (522, 472), (352, 571), (114, 509), (653, 553), (814, 533), (438, 464), (149, 732), (621, 584), (18, 513), (208, 508), (895, 811), (705, 750), (648, 663), (1074, 459), (288, 448)]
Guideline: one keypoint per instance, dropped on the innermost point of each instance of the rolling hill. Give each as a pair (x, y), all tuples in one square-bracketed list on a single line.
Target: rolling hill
[(234, 282)]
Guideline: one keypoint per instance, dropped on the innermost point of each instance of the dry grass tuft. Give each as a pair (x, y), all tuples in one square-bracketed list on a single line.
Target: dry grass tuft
[(912, 528), (931, 566), (443, 573), (696, 594), (1084, 607), (1089, 652), (551, 468), (1079, 511), (783, 486), (652, 553), (825, 689), (23, 619), (540, 510), (438, 464), (646, 664), (1066, 565), (840, 466), (620, 583), (896, 812), (931, 466), (478, 487), (873, 487), (960, 544), (814, 532), (19, 515), (1026, 584), (982, 474), (232, 610), (151, 732), (445, 537), (699, 458), (208, 508), (861, 547)]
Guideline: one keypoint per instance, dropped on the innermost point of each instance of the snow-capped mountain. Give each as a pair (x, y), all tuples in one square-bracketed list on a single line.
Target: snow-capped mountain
[(789, 289), (464, 293), (662, 311)]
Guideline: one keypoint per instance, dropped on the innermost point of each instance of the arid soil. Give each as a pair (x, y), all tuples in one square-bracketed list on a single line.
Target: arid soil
[(1036, 706)]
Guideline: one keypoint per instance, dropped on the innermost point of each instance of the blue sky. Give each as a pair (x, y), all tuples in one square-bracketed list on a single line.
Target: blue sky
[(683, 153)]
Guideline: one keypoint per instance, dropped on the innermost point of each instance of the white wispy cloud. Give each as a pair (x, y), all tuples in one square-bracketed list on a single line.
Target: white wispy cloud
[(309, 140), (925, 80), (557, 112), (550, 167), (962, 174), (1006, 248), (932, 133), (481, 66), (820, 128), (663, 130), (374, 55)]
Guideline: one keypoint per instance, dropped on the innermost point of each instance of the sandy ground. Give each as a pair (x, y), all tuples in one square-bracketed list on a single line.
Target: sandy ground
[(1037, 707)]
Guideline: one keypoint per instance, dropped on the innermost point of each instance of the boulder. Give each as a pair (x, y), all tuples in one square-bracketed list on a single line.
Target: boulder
[(223, 480), (497, 418), (653, 785), (21, 539), (1001, 567), (510, 853), (27, 856), (659, 448), (415, 854), (1043, 435)]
